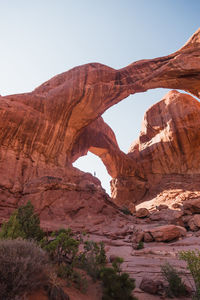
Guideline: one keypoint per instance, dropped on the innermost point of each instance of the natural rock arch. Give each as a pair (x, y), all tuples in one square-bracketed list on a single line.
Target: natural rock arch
[(63, 106), (44, 131), (167, 149)]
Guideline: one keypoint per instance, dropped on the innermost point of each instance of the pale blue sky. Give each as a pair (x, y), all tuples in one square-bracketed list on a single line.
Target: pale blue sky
[(42, 38)]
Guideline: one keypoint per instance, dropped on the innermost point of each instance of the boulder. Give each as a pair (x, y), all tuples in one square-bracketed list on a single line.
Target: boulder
[(151, 286), (186, 219), (142, 213), (191, 224), (148, 237), (167, 233), (191, 206), (196, 219), (168, 215), (194, 222)]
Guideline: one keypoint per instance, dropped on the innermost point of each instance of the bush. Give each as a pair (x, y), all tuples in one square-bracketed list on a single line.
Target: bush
[(176, 286), (24, 265), (116, 285), (23, 268), (23, 223), (140, 245), (193, 264), (54, 289), (93, 258), (63, 248), (63, 251)]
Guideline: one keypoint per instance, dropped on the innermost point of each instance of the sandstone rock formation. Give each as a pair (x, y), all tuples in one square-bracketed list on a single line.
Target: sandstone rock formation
[(167, 233), (151, 286), (166, 157), (44, 131), (192, 206)]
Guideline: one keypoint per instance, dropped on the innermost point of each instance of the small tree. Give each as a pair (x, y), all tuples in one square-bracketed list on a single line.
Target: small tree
[(24, 223), (116, 284), (193, 264), (176, 286), (63, 248), (93, 258)]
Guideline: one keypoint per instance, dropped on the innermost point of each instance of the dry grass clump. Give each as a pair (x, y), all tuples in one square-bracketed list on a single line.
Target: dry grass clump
[(23, 268)]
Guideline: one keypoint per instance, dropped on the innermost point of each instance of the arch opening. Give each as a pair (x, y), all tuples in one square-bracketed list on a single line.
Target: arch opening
[(93, 164), (104, 154), (125, 118)]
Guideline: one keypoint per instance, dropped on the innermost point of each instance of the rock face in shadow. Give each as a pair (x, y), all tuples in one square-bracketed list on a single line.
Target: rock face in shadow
[(43, 132)]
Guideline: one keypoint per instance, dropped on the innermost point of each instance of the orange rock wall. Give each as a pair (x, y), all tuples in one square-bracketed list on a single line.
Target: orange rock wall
[(167, 154), (44, 131)]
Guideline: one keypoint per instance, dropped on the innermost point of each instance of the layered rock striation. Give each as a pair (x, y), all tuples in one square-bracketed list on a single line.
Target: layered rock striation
[(44, 131)]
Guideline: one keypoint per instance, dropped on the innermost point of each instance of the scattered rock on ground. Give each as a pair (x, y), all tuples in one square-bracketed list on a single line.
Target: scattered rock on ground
[(142, 212), (167, 233), (152, 286)]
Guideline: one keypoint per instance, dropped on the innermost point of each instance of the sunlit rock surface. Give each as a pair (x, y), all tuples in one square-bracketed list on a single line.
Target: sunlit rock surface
[(44, 131), (166, 157)]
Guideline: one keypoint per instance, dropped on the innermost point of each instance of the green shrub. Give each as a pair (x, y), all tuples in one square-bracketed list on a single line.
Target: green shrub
[(176, 286), (24, 265), (116, 285), (63, 248), (140, 245), (23, 268), (193, 264), (93, 258), (23, 223)]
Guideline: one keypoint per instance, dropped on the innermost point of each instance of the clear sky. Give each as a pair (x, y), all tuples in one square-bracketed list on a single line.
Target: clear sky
[(42, 38)]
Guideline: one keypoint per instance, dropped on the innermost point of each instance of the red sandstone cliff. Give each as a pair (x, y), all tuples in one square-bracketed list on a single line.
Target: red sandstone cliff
[(43, 132), (167, 154)]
